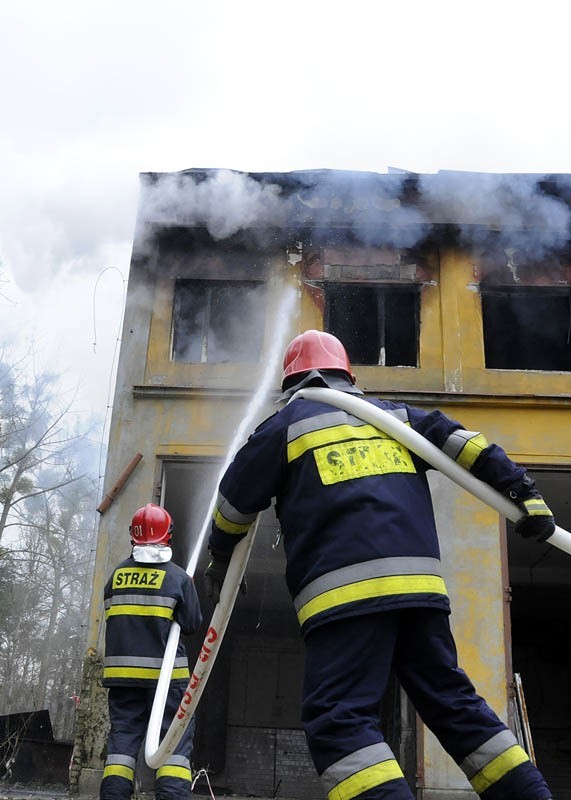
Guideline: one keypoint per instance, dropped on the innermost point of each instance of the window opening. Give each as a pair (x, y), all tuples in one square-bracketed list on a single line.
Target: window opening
[(218, 321), (527, 328), (377, 324)]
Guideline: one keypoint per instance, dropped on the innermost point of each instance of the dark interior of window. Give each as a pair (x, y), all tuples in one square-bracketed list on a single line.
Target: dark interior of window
[(377, 324), (218, 321), (527, 328)]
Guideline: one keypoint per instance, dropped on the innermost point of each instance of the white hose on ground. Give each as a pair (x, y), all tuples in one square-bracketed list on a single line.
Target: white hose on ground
[(422, 447), (155, 754)]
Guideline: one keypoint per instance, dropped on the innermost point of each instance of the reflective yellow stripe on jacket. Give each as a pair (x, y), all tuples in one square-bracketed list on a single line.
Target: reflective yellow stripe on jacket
[(140, 667), (139, 605), (335, 426), (381, 577)]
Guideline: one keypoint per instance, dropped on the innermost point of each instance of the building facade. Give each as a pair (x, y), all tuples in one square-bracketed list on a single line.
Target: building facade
[(450, 291)]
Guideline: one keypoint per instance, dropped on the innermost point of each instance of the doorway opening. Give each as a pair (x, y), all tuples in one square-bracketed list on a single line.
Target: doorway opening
[(540, 580)]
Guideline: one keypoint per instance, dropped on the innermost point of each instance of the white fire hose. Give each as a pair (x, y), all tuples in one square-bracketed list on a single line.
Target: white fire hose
[(156, 755)]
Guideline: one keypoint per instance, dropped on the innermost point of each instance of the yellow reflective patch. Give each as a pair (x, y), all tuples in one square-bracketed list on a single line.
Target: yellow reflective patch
[(120, 771), (366, 779), (229, 527), (138, 577), (537, 508), (500, 766), (172, 771), (373, 587), (347, 460), (139, 611), (323, 436), (472, 450)]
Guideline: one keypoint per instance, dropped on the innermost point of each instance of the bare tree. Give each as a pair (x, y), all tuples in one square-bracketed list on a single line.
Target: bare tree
[(34, 443), (48, 498)]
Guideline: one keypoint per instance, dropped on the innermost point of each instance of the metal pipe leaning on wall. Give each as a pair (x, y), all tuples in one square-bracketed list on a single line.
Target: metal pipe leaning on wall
[(422, 447), (119, 483)]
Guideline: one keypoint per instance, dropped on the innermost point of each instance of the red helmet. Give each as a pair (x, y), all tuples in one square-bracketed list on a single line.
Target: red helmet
[(315, 350), (151, 524)]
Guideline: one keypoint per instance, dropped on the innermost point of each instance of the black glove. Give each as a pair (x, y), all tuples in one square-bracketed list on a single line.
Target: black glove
[(538, 522), (216, 572)]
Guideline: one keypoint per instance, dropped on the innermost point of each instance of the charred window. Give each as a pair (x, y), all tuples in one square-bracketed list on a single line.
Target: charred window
[(218, 321), (377, 324), (527, 328)]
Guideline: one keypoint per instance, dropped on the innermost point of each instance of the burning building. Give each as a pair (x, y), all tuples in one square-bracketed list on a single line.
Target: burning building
[(450, 291)]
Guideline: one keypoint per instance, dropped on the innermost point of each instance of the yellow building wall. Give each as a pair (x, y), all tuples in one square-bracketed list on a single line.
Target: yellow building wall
[(163, 408)]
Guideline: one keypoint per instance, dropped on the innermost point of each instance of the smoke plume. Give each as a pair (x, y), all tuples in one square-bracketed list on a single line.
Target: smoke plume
[(398, 209)]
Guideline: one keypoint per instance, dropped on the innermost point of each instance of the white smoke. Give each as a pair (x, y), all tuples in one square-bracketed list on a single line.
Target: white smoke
[(395, 209), (515, 207), (223, 203)]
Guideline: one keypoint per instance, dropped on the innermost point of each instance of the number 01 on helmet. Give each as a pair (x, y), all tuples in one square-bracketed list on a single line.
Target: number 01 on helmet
[(151, 524)]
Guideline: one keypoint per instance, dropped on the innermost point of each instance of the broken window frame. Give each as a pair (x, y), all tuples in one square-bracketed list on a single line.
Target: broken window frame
[(383, 292), (525, 354), (254, 333)]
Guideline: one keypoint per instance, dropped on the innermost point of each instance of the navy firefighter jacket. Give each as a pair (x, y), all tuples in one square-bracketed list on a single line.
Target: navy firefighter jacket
[(141, 601), (354, 505)]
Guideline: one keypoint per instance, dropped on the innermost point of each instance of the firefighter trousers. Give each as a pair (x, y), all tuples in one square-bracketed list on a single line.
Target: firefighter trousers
[(129, 713), (347, 668)]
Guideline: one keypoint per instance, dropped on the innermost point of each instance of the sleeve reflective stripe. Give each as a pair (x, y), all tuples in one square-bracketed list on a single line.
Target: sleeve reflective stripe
[(339, 433), (499, 767), (142, 673), (537, 507), (465, 447), (141, 661), (228, 519), (368, 589), (139, 611), (229, 527), (360, 771)]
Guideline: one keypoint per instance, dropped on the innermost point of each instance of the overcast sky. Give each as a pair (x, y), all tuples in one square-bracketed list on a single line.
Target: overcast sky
[(93, 93)]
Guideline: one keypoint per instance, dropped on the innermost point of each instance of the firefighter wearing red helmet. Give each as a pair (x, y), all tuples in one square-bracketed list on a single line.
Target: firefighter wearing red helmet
[(363, 569), (143, 596)]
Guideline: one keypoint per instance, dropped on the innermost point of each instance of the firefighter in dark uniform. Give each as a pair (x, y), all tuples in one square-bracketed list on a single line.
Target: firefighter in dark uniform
[(363, 569), (145, 593)]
